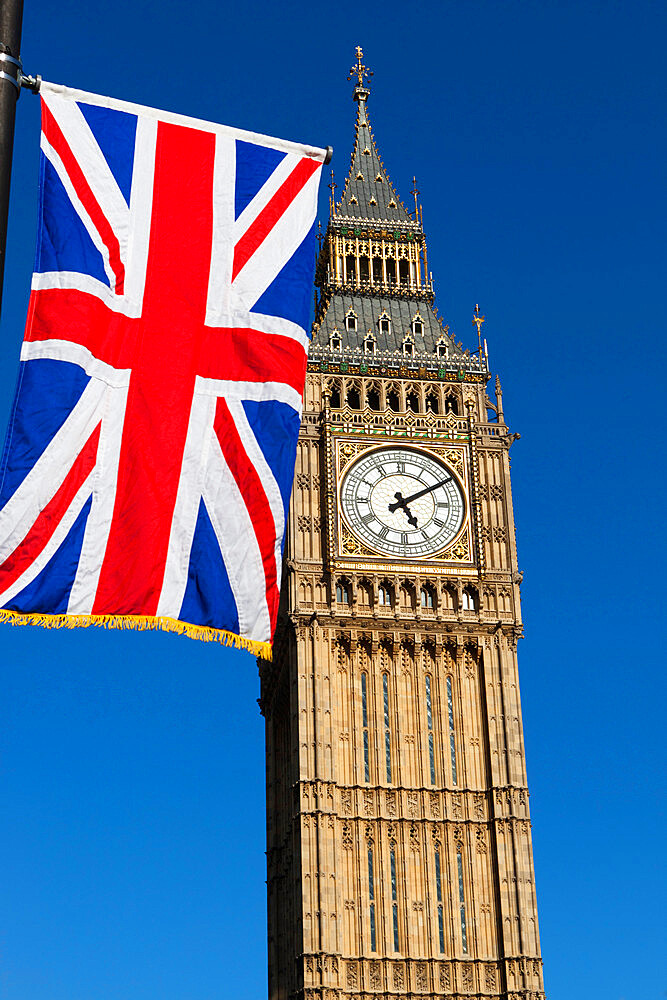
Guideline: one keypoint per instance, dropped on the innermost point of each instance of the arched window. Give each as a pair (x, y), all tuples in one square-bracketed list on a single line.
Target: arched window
[(335, 341), (469, 600), (450, 722), (353, 397), (377, 270), (412, 401), (350, 269), (394, 893), (433, 401), (438, 889), (417, 327), (384, 596), (364, 725), (441, 348), (426, 597), (387, 727), (335, 394), (452, 403), (408, 347), (429, 722), (373, 397), (342, 593), (393, 401), (462, 901), (351, 322), (384, 324), (370, 344), (371, 897)]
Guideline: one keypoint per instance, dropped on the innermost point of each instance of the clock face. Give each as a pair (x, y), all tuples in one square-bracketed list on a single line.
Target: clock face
[(402, 502)]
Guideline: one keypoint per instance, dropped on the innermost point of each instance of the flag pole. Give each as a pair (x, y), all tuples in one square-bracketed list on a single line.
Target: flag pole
[(11, 21)]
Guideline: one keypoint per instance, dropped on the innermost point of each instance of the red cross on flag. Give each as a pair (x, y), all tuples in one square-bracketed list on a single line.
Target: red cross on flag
[(150, 451)]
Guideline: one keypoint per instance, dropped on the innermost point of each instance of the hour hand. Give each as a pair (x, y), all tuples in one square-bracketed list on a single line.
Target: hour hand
[(400, 502)]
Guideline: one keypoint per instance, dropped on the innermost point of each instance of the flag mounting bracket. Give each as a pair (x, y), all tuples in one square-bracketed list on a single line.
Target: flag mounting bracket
[(327, 158), (19, 78)]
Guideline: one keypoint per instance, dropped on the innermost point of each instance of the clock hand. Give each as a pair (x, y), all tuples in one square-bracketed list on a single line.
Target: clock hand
[(404, 507), (415, 496)]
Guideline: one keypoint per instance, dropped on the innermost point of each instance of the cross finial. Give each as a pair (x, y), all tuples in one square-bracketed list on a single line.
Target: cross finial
[(415, 192), (332, 197), (362, 73), (477, 321)]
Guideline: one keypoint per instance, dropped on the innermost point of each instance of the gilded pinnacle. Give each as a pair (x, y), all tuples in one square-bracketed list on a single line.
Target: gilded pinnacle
[(362, 73)]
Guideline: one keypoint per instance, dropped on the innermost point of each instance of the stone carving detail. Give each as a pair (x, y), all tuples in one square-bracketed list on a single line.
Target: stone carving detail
[(347, 836), (435, 803), (303, 480), (351, 975), (455, 459), (304, 522), (418, 905), (499, 533), (391, 803), (456, 806), (460, 551), (479, 805), (467, 977), (349, 904), (375, 975), (369, 833), (421, 976), (490, 977), (414, 837), (496, 492), (369, 801), (346, 800), (480, 841), (458, 837), (351, 545), (412, 803), (445, 978), (399, 976), (347, 452)]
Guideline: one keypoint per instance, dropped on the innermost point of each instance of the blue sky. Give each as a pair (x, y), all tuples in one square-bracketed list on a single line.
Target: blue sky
[(132, 774)]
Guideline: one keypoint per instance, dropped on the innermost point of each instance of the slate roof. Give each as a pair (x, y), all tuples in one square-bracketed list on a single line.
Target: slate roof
[(368, 310), (368, 192)]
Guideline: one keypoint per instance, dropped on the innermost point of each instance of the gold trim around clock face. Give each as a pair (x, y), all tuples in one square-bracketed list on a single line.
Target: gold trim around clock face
[(401, 502)]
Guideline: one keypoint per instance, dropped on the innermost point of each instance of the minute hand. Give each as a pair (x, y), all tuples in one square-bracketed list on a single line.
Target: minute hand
[(416, 496)]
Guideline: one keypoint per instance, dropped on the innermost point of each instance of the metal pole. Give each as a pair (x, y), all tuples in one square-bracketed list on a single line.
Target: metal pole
[(11, 20)]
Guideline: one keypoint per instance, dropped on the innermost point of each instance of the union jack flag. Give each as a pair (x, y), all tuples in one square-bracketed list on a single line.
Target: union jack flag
[(150, 452)]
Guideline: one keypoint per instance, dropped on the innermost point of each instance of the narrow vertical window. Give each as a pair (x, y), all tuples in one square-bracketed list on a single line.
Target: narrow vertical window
[(387, 730), (371, 896), (438, 886), (462, 902), (394, 897), (429, 719), (364, 724), (452, 737)]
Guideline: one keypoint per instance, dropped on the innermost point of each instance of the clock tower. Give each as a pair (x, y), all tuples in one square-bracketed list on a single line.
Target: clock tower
[(399, 845)]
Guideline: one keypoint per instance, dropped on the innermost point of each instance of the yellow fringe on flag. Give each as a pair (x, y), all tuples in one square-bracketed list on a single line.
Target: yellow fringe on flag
[(141, 623)]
